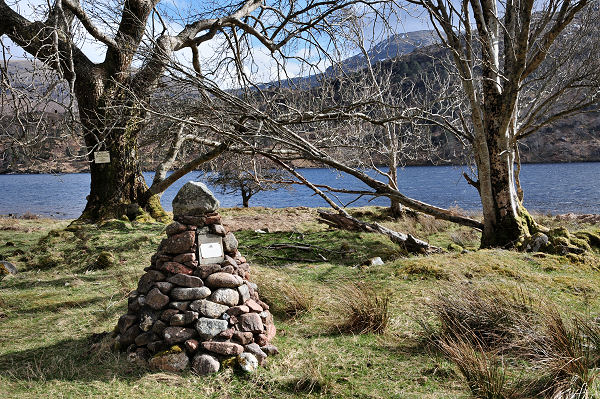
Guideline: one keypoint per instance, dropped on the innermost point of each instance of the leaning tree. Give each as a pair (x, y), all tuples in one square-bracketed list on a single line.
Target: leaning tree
[(140, 39)]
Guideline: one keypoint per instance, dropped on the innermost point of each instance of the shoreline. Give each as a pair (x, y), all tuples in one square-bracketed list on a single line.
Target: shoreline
[(58, 172)]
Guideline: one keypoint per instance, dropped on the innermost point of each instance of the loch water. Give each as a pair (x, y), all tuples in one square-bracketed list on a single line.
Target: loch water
[(550, 188)]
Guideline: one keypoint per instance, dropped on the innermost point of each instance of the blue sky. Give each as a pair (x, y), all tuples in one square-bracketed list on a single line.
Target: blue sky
[(263, 69)]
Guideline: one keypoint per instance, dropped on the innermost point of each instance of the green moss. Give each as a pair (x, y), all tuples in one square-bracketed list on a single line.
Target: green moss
[(172, 350), (559, 232), (578, 242), (229, 362), (115, 224), (455, 247), (48, 261), (105, 260), (560, 241), (592, 238), (156, 210)]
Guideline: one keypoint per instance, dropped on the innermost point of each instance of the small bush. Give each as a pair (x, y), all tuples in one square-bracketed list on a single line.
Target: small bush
[(363, 307)]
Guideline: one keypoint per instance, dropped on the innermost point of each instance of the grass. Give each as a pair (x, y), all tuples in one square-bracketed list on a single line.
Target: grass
[(511, 345), (73, 283)]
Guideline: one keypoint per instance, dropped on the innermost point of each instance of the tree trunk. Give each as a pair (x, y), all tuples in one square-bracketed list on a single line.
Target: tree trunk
[(117, 188), (347, 222), (506, 221), (246, 194), (396, 209)]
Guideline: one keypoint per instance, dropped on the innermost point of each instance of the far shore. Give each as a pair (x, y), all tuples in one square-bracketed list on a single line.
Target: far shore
[(28, 171)]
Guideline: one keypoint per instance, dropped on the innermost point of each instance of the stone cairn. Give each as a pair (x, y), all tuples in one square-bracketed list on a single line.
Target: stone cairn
[(195, 306)]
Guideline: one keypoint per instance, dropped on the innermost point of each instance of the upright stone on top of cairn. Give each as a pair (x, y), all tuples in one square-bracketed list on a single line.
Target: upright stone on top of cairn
[(195, 306)]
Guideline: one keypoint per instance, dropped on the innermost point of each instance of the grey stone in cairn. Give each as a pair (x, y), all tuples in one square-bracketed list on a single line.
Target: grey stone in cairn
[(187, 312)]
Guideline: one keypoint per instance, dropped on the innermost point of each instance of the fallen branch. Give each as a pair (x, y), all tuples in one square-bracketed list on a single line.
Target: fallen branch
[(347, 222)]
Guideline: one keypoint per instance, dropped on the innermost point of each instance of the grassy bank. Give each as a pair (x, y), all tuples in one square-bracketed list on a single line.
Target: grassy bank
[(73, 285)]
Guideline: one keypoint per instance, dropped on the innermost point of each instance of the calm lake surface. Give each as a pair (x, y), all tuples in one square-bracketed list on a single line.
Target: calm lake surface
[(553, 188)]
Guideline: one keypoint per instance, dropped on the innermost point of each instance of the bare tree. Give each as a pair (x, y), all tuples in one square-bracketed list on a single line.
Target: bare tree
[(521, 66), (245, 175), (108, 94)]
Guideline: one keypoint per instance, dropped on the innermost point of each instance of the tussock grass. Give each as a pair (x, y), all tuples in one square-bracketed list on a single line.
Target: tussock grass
[(361, 308), (482, 330), (487, 316), (483, 371), (285, 298)]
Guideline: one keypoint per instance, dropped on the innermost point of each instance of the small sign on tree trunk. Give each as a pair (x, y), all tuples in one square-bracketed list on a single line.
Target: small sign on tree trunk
[(102, 157)]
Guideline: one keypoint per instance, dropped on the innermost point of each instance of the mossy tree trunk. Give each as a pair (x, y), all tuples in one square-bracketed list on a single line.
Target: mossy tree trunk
[(506, 221), (112, 122)]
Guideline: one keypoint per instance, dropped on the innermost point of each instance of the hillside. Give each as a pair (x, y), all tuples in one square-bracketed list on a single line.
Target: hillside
[(574, 139)]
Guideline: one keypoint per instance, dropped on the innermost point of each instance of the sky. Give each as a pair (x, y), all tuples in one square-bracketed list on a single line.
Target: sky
[(262, 69)]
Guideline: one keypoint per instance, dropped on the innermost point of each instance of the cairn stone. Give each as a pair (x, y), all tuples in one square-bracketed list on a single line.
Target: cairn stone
[(208, 308), (224, 280), (223, 348), (244, 292), (185, 280), (225, 296), (193, 309), (175, 335), (181, 243), (194, 199), (175, 228), (156, 299), (247, 362), (189, 294), (125, 322), (253, 348), (208, 328), (176, 362), (230, 243), (164, 287), (251, 322), (205, 364), (148, 279)]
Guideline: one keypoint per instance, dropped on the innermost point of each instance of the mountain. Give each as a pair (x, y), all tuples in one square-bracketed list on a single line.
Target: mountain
[(394, 46)]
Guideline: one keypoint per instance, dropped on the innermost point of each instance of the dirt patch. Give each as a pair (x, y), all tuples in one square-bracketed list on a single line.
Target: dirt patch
[(270, 219)]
